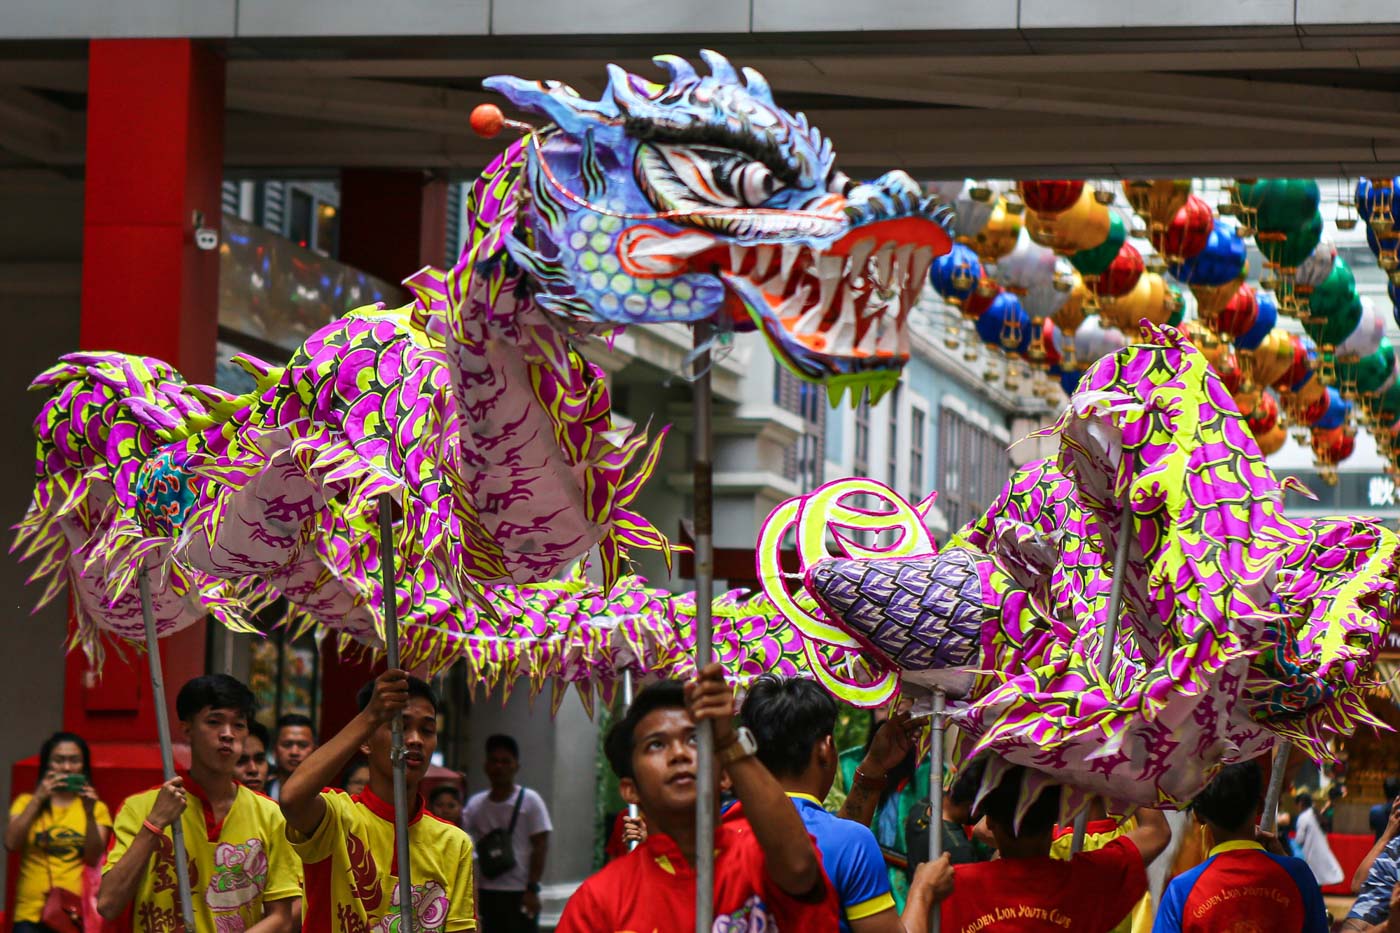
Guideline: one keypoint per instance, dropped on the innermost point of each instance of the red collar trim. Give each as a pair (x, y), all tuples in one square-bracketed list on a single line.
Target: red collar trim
[(385, 810), (212, 827)]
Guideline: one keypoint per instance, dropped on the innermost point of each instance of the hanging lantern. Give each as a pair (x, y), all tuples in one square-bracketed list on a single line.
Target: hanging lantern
[(1223, 259), (955, 273), (1122, 273), (1049, 198), (1188, 233), (1071, 314), (1239, 313), (998, 235), (1264, 417), (1158, 200), (1211, 299), (1085, 224)]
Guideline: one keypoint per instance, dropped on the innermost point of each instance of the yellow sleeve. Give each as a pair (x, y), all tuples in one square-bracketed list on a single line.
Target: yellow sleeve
[(321, 844), (101, 814), (20, 802), (283, 866), (461, 907), (129, 819)]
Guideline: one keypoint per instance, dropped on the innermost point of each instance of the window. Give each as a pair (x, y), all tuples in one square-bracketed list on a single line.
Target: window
[(299, 220), (917, 429), (972, 468), (861, 464), (804, 460), (893, 459), (285, 673)]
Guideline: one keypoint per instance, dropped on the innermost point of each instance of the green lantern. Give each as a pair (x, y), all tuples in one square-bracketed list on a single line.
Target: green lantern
[(1372, 371), (1295, 247), (1095, 259), (1333, 293), (1333, 328), (1284, 204), (1389, 406)]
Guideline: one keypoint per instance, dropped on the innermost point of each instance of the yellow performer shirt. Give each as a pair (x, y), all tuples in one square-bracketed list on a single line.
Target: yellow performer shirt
[(54, 850), (235, 866), (352, 869)]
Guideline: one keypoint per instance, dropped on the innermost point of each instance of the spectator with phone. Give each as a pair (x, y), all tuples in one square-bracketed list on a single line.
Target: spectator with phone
[(58, 831)]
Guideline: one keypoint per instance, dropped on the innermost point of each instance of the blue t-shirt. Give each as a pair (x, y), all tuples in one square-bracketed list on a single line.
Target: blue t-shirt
[(852, 860), (1373, 903), (1240, 886)]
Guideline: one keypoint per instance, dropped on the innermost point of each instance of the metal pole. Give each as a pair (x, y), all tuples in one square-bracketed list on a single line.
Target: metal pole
[(935, 794), (1271, 798), (390, 602), (632, 810), (167, 753), (704, 586), (1110, 636)]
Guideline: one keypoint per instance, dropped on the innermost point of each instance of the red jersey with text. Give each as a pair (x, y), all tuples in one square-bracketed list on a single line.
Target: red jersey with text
[(352, 883), (1241, 887), (652, 889), (1090, 893)]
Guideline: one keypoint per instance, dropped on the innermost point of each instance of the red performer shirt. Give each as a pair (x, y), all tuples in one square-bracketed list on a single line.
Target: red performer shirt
[(1090, 893), (653, 889)]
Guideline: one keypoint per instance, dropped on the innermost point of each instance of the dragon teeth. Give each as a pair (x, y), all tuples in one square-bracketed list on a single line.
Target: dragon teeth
[(763, 262), (794, 303), (737, 255), (791, 252), (859, 254), (918, 269), (901, 262), (884, 265), (829, 273)]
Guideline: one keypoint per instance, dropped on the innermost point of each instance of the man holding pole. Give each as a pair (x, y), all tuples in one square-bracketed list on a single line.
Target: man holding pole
[(243, 874), (348, 844), (768, 874)]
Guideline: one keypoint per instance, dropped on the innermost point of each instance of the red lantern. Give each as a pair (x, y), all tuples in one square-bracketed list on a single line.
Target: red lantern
[(1297, 370), (1227, 367), (981, 298), (1188, 233), (1047, 341), (1334, 445), (1121, 275), (1316, 410), (1239, 313), (1050, 197), (1265, 415)]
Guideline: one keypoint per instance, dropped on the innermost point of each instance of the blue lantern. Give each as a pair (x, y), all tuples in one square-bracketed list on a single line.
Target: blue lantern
[(1221, 261), (1336, 414), (1005, 324), (1069, 380), (954, 274), (1264, 321)]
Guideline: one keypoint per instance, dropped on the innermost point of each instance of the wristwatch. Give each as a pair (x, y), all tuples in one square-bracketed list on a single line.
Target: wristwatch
[(742, 747)]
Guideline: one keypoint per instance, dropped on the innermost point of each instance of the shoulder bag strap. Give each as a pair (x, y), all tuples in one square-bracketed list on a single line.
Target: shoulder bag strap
[(515, 815)]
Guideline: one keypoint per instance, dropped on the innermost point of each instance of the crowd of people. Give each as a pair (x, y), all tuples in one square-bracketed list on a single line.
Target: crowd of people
[(284, 833), (301, 839)]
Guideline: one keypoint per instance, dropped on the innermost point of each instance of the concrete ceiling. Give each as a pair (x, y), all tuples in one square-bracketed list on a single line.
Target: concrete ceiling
[(1136, 103)]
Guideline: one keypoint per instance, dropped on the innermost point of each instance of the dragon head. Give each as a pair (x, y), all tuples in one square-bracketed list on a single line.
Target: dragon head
[(702, 200)]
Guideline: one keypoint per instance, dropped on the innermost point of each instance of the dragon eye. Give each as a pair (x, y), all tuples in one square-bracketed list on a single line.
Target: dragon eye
[(682, 178), (755, 183)]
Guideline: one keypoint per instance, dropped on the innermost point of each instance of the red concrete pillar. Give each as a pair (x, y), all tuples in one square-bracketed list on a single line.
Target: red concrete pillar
[(155, 149), (392, 223)]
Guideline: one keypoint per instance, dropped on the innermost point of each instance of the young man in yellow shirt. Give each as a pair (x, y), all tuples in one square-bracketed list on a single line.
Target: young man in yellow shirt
[(346, 843), (243, 874)]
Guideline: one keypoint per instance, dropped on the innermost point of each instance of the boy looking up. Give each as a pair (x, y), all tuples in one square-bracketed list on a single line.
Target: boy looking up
[(347, 843)]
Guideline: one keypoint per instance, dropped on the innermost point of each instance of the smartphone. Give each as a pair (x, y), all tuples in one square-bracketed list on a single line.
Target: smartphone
[(74, 782)]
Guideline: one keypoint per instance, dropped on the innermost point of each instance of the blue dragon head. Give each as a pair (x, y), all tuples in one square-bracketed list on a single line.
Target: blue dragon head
[(701, 199)]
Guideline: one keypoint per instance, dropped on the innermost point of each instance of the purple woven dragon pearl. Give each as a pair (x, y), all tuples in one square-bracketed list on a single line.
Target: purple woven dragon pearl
[(922, 613)]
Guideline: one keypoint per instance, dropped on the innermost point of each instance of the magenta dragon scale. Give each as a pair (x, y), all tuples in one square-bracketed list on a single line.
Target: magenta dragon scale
[(1239, 626)]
